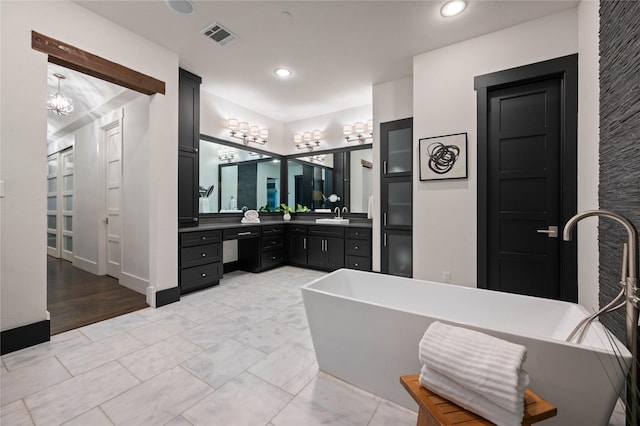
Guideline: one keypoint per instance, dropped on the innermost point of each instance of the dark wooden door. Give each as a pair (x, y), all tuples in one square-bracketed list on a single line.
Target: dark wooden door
[(524, 189), (298, 249)]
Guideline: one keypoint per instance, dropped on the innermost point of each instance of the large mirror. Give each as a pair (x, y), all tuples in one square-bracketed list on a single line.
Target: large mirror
[(347, 173), (233, 178)]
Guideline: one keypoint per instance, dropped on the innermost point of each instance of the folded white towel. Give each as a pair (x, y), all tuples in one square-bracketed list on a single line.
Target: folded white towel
[(483, 364), (251, 214), (246, 220), (471, 401)]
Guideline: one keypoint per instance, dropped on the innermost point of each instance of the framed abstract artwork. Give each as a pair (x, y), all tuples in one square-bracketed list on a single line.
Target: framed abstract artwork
[(443, 157)]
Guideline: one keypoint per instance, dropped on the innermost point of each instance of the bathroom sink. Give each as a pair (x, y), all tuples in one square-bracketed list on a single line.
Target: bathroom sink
[(333, 221)]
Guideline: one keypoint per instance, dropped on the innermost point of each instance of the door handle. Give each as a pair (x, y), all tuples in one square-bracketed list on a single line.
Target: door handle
[(384, 167), (385, 239), (552, 231), (304, 243)]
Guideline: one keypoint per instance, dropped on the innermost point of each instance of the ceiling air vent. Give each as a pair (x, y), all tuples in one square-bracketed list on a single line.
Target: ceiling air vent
[(220, 34)]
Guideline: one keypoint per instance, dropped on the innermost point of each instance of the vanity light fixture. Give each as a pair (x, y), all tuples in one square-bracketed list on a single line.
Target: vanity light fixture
[(308, 140), (226, 154), (247, 133), (358, 131), (58, 103), (453, 8)]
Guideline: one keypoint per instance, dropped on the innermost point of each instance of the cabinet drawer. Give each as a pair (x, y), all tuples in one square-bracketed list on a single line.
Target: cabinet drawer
[(360, 263), (358, 247), (272, 242), (272, 229), (358, 233), (272, 258), (297, 229), (200, 276), (200, 255), (241, 233), (327, 231), (197, 238)]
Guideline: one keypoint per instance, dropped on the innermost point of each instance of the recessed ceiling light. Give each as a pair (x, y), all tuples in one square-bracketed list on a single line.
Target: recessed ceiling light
[(453, 8), (282, 72), (181, 6)]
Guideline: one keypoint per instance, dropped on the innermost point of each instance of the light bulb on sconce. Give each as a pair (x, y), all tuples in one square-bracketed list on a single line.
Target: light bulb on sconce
[(247, 133), (358, 131), (307, 140)]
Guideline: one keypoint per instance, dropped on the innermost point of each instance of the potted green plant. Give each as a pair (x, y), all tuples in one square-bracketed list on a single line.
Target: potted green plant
[(286, 210)]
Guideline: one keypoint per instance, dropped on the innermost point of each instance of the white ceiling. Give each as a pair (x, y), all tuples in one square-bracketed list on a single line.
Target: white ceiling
[(337, 49)]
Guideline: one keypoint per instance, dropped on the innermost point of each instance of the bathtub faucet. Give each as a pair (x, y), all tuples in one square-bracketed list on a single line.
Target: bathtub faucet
[(629, 280)]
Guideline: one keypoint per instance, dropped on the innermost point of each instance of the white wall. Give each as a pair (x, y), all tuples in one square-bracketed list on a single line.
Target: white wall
[(391, 101), (215, 111), (445, 103), (23, 131), (331, 126), (361, 180), (87, 203), (134, 242), (588, 154)]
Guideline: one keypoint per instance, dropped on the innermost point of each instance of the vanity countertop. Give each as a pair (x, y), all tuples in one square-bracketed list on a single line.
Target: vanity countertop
[(229, 225)]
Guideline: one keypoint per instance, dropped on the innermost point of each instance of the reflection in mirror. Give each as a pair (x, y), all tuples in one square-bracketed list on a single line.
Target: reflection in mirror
[(234, 178), (347, 173), (361, 179), (311, 181)]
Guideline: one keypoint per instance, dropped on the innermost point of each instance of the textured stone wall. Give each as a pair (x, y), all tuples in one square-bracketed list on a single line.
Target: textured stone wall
[(619, 141)]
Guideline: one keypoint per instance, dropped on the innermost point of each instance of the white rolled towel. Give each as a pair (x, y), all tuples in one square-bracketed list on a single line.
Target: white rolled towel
[(251, 214), (483, 364), (471, 401)]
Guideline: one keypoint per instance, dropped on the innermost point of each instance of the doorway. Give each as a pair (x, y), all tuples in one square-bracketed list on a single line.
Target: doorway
[(527, 179)]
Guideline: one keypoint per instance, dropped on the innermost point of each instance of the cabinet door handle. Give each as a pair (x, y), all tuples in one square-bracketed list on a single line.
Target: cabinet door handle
[(204, 254), (244, 233), (273, 243), (356, 247), (203, 238), (384, 167), (203, 274), (273, 258), (384, 217), (304, 243), (385, 239), (195, 219)]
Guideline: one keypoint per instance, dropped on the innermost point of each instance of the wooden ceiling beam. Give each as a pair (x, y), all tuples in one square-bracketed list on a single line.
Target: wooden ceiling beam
[(69, 56)]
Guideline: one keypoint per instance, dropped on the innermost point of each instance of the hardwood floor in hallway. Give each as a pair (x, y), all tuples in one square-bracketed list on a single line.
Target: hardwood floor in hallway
[(76, 298)]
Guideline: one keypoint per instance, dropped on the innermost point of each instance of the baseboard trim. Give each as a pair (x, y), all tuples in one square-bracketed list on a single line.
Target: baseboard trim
[(22, 337), (133, 282), (165, 297), (231, 266)]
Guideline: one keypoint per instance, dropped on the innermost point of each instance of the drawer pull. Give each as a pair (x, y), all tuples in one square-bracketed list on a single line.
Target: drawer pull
[(203, 238), (273, 243), (244, 233), (273, 258), (356, 264), (204, 254), (203, 274), (356, 247)]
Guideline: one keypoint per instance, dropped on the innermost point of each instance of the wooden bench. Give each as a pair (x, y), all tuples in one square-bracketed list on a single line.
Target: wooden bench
[(437, 411)]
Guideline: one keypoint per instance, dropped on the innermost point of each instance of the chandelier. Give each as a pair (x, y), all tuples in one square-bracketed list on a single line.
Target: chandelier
[(247, 133), (58, 103), (307, 140), (358, 132)]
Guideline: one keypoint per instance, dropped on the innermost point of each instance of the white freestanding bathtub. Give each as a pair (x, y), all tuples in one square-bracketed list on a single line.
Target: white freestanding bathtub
[(366, 328)]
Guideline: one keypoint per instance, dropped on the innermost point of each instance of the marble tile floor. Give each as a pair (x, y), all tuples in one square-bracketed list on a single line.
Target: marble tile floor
[(236, 354)]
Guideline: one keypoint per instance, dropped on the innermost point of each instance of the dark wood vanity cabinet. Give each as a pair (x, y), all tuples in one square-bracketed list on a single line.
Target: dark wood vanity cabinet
[(357, 247), (200, 260), (297, 244), (325, 247), (188, 142), (263, 253)]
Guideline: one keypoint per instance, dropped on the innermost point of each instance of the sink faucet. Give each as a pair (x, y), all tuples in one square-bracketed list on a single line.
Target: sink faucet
[(337, 212), (630, 284), (344, 210)]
